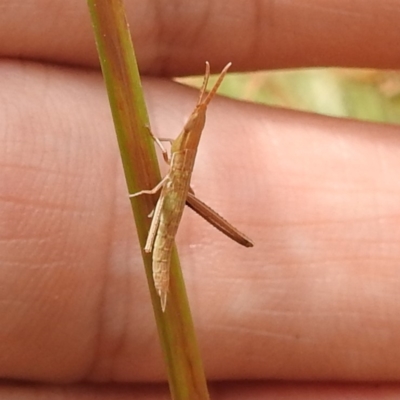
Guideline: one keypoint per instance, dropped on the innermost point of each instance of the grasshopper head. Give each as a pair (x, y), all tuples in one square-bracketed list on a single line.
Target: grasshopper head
[(190, 136)]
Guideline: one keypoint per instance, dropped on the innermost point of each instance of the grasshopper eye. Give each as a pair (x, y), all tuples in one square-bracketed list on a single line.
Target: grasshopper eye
[(190, 123)]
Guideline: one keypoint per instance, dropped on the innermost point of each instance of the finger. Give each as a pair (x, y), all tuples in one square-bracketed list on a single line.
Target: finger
[(18, 391), (316, 298), (177, 40), (219, 391)]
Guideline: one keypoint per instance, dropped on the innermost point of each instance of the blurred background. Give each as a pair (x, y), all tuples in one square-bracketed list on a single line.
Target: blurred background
[(362, 94)]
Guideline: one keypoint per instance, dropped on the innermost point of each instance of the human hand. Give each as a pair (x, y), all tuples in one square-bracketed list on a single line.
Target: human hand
[(316, 300)]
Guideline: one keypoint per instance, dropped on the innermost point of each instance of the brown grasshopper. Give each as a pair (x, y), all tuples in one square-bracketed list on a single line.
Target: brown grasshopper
[(176, 191)]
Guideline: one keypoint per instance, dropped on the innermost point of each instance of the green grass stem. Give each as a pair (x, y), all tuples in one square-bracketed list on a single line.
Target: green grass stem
[(184, 366)]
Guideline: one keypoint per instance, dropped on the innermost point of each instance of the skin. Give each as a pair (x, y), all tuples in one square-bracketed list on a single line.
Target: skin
[(318, 299)]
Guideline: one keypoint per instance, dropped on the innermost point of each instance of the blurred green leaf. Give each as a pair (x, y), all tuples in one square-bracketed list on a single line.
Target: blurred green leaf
[(362, 94)]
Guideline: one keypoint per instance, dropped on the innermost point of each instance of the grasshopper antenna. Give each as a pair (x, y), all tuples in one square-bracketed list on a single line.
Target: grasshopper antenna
[(212, 92), (205, 83)]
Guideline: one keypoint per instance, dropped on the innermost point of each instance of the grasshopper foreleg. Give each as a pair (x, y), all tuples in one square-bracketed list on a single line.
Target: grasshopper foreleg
[(160, 145)]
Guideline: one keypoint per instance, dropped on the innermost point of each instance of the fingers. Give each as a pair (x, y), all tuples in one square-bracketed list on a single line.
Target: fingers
[(316, 298), (322, 209), (52, 279), (58, 166), (178, 40)]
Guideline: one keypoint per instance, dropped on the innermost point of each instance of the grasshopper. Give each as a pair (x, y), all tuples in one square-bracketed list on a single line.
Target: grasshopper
[(176, 191)]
